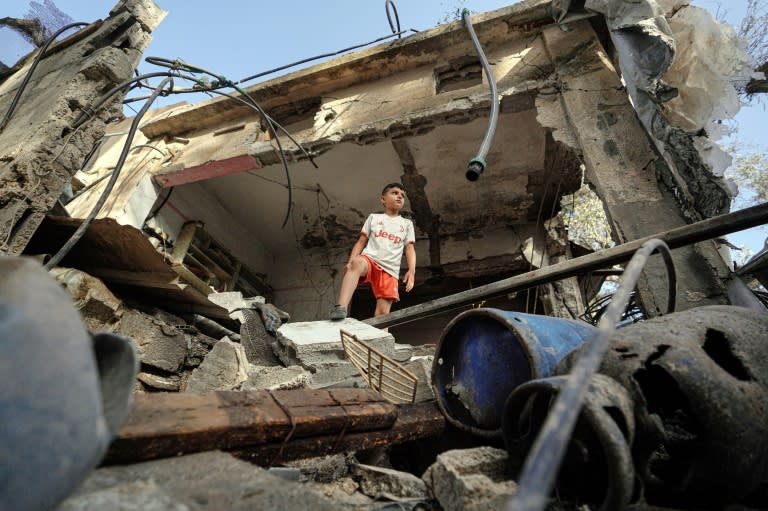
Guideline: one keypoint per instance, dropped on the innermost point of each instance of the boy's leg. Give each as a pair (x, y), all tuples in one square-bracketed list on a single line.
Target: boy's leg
[(383, 305), (358, 267)]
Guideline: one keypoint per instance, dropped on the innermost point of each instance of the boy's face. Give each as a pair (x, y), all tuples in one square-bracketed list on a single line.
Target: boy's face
[(393, 199)]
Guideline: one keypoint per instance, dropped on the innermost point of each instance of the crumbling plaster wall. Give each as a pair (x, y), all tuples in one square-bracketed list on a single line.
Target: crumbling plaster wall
[(38, 152), (623, 165)]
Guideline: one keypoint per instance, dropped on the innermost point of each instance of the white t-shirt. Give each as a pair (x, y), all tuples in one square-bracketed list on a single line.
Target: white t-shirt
[(387, 238)]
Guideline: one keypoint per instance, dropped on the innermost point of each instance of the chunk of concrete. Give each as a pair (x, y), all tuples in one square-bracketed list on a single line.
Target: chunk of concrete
[(380, 482), (233, 300), (276, 378), (100, 309), (130, 496), (470, 479), (421, 368), (168, 384), (159, 344), (210, 481), (310, 343), (323, 469), (224, 368)]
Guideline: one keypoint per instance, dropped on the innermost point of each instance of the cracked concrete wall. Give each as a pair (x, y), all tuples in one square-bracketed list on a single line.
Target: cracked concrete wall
[(623, 166), (38, 152)]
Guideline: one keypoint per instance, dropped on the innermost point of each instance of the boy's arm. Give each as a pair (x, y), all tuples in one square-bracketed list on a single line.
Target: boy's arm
[(410, 275)]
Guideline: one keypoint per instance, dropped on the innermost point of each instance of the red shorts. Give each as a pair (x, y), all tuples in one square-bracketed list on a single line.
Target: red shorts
[(382, 283)]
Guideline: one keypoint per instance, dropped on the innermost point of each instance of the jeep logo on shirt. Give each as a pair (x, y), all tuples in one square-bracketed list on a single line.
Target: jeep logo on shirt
[(388, 235)]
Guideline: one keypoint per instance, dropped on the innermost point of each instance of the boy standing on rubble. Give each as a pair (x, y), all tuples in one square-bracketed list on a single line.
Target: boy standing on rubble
[(375, 257)]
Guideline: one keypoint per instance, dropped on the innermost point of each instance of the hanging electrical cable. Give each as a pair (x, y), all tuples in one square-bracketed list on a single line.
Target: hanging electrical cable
[(324, 55), (394, 26), (222, 81), (477, 164), (80, 231), (28, 76), (543, 461)]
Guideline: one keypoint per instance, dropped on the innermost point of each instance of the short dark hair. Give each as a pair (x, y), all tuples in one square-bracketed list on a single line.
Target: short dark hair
[(392, 185)]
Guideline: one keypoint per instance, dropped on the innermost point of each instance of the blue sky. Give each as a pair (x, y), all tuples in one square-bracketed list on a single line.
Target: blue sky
[(237, 39)]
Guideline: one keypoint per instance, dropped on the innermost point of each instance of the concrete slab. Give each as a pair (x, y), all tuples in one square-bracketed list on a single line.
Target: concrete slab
[(319, 342)]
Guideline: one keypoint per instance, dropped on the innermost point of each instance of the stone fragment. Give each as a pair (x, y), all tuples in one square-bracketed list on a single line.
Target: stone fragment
[(210, 481), (276, 378), (323, 469), (233, 300), (169, 384), (224, 368), (470, 479), (199, 347), (421, 368), (130, 496), (159, 344), (339, 372), (310, 343), (256, 340), (100, 309), (378, 482)]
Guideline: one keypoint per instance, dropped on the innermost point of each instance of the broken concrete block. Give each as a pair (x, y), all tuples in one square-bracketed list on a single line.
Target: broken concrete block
[(233, 300), (326, 374), (168, 384), (421, 368), (315, 342), (100, 309), (129, 496), (380, 482), (402, 352), (224, 368), (159, 344), (256, 340), (210, 481), (199, 347), (276, 378), (323, 469), (470, 479)]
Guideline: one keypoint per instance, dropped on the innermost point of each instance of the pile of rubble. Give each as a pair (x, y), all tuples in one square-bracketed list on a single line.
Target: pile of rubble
[(270, 353)]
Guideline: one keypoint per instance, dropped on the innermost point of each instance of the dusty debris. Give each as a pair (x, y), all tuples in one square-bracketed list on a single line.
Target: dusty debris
[(224, 368), (160, 344), (276, 378), (207, 481), (470, 479)]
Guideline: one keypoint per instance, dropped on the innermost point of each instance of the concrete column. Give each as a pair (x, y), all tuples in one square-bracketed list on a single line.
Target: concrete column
[(621, 165)]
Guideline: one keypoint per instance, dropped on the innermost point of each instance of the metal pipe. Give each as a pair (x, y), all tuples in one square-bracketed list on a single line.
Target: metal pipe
[(675, 238)]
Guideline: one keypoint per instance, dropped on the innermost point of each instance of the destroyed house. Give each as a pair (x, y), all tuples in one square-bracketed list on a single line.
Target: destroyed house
[(205, 184), (179, 226)]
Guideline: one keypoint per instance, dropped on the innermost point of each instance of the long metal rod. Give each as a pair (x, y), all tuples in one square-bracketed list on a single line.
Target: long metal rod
[(675, 238)]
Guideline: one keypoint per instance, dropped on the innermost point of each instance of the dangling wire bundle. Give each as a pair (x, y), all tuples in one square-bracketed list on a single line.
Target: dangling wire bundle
[(64, 250), (395, 27)]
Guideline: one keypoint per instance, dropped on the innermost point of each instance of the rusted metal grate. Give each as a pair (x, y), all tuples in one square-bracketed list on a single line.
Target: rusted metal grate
[(384, 375)]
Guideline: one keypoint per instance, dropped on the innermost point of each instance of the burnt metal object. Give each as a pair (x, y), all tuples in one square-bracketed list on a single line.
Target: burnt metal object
[(597, 467), (699, 381), (483, 354), (63, 393)]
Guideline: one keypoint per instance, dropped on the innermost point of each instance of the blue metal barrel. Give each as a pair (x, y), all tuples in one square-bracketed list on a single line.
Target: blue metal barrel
[(483, 354)]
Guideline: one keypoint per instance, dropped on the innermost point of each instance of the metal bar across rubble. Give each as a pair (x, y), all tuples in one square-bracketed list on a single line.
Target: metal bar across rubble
[(675, 238)]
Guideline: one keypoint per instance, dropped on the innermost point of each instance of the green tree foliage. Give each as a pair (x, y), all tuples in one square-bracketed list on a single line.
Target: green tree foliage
[(754, 29), (585, 219)]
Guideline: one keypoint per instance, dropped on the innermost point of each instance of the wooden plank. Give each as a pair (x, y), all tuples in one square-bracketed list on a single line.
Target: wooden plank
[(675, 238), (162, 425), (414, 421), (208, 170), (151, 279)]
